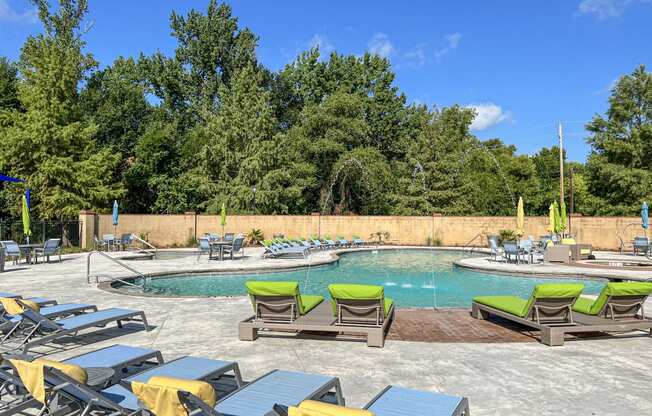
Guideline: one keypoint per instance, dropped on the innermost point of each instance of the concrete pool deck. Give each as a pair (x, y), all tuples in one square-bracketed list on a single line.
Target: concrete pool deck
[(594, 376)]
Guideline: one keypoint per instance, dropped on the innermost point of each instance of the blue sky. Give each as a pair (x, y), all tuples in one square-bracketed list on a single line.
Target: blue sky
[(524, 65)]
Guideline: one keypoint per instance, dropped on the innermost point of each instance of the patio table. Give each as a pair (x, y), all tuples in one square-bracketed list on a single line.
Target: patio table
[(29, 250), (220, 246)]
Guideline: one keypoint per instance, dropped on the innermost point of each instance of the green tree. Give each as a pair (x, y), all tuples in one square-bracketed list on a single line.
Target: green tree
[(618, 169), (8, 85), (50, 144)]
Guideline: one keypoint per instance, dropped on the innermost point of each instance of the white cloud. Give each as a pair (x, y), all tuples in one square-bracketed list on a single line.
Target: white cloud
[(452, 41), (322, 42), (606, 9), (417, 56), (380, 45), (607, 89), (9, 14), (488, 115)]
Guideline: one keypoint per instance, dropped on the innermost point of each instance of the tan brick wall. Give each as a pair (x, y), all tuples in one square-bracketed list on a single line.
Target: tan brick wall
[(177, 230)]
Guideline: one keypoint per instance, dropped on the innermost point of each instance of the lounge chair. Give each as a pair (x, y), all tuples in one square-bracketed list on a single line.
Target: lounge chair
[(329, 243), (578, 251), (280, 301), (11, 250), (38, 300), (279, 387), (393, 401), (343, 242), (360, 315), (357, 241), (236, 247), (617, 301), (42, 330), (548, 305), (121, 359), (361, 305), (317, 243), (189, 368), (12, 308)]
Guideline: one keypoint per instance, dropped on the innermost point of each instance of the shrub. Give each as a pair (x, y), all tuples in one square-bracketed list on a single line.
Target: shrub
[(506, 235), (255, 236)]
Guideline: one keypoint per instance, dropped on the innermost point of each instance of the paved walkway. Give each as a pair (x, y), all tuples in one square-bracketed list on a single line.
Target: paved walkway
[(588, 377)]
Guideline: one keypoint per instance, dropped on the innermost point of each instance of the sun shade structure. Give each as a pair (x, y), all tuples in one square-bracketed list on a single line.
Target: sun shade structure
[(563, 220)]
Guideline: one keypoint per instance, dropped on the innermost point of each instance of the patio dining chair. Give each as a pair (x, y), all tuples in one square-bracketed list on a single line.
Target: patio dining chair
[(510, 249), (229, 236), (641, 245), (237, 247), (50, 248), (11, 250), (496, 250)]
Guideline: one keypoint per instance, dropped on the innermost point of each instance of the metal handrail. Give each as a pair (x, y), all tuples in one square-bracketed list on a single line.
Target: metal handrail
[(116, 261), (468, 243), (146, 243)]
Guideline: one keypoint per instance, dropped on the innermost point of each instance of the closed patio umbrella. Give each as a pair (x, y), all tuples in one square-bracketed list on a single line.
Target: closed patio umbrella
[(26, 225), (223, 217), (645, 220), (563, 220), (115, 215), (551, 218), (520, 218), (556, 218)]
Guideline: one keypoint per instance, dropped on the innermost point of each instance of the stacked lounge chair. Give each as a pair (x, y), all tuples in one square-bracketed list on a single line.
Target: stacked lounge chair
[(359, 310), (558, 309), (279, 249)]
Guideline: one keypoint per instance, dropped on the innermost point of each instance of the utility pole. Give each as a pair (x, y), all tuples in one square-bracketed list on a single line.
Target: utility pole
[(561, 165)]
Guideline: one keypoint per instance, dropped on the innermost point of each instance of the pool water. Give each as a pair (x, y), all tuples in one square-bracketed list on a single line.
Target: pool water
[(413, 278)]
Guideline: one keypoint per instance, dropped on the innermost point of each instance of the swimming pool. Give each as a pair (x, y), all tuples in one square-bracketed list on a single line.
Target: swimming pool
[(413, 278)]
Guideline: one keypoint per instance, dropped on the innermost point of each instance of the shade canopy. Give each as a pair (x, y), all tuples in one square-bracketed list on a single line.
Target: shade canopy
[(645, 220), (520, 218), (563, 220), (115, 212)]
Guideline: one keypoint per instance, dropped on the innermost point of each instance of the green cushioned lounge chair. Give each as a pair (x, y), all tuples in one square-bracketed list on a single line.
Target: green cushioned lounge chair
[(360, 304), (617, 301), (548, 304), (280, 301)]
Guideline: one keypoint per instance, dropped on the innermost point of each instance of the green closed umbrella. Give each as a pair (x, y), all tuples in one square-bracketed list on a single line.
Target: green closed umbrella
[(223, 217), (25, 213), (556, 225), (563, 223)]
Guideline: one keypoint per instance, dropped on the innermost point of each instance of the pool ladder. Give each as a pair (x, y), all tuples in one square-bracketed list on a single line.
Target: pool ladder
[(111, 279)]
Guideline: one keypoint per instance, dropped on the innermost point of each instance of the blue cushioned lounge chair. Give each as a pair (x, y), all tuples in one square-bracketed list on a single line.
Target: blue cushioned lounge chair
[(189, 368), (41, 330), (288, 388)]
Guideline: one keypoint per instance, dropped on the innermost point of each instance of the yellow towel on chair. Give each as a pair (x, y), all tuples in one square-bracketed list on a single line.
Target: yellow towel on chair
[(161, 394), (32, 376), (12, 307), (315, 408)]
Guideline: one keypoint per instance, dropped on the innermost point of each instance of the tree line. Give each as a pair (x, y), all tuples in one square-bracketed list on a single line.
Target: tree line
[(331, 134)]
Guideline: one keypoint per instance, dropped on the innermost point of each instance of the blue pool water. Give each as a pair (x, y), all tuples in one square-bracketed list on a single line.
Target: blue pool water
[(413, 278)]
